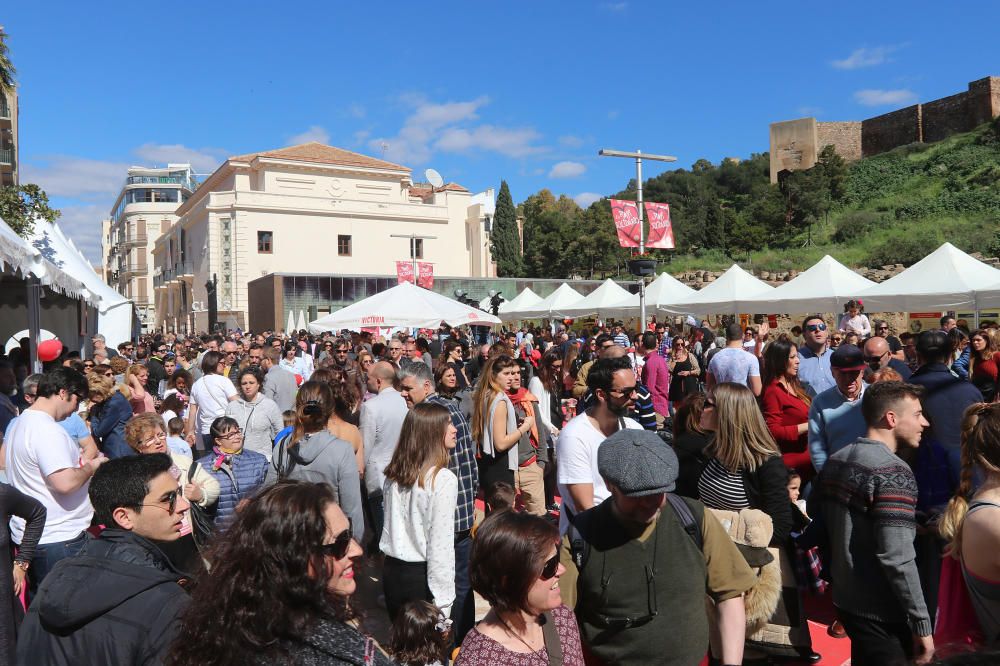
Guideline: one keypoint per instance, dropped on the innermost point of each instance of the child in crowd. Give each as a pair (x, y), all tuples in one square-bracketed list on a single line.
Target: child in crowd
[(500, 495), (175, 437), (420, 636), (289, 418), (795, 491)]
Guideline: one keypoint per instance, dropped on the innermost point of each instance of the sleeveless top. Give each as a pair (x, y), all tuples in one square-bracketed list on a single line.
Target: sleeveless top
[(983, 593)]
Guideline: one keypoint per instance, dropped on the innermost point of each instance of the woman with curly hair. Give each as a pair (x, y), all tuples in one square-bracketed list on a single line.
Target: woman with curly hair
[(280, 587)]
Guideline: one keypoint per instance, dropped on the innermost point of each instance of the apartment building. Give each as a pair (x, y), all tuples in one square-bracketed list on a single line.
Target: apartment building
[(144, 209), (8, 139)]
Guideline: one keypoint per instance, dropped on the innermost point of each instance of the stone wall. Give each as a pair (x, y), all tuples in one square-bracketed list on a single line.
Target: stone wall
[(946, 116), (844, 136), (891, 130), (984, 100)]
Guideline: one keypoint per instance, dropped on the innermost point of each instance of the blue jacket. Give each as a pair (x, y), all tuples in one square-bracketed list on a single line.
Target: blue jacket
[(107, 425), (238, 480)]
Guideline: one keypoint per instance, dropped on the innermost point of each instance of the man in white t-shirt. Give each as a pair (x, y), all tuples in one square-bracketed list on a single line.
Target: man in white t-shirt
[(613, 385), (734, 364), (44, 462)]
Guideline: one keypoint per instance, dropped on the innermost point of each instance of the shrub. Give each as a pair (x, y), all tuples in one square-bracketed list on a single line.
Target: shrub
[(856, 224), (906, 248)]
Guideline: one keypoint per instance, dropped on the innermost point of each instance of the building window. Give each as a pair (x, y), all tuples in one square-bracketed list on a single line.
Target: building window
[(417, 248), (265, 242), (344, 246)]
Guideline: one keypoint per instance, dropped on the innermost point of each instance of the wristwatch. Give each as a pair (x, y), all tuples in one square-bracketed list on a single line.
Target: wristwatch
[(22, 564)]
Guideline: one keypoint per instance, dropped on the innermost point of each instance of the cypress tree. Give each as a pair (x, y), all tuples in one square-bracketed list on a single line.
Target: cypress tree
[(504, 239)]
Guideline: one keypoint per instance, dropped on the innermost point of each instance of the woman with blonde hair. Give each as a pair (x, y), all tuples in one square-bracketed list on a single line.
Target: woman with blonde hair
[(109, 412), (421, 494), (494, 424), (971, 522), (139, 398)]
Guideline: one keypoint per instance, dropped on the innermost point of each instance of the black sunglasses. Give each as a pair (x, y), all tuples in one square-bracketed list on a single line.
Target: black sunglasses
[(815, 327), (550, 568), (171, 500), (338, 549)]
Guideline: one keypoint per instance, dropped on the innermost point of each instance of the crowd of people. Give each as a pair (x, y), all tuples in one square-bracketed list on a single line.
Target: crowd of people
[(690, 495)]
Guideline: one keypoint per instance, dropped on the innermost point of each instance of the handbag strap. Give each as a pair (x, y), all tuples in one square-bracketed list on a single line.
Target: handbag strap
[(553, 648), (191, 471), (247, 427)]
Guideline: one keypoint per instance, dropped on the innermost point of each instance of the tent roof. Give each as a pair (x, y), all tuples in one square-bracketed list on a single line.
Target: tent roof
[(732, 292), (946, 279), (404, 305), (525, 299), (23, 256), (664, 290), (605, 300), (550, 306), (824, 287)]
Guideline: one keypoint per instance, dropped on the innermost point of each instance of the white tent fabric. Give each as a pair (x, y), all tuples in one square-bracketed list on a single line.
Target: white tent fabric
[(22, 256), (527, 298), (823, 288), (733, 292), (664, 290), (300, 324), (550, 306), (946, 279), (404, 305), (290, 324), (114, 312), (605, 300), (989, 298)]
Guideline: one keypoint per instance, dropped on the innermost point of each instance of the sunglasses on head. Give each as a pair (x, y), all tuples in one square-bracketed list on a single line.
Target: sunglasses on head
[(338, 549), (550, 568)]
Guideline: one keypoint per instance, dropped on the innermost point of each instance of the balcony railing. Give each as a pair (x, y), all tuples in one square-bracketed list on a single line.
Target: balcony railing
[(7, 156), (158, 180), (183, 268), (136, 269), (136, 240)]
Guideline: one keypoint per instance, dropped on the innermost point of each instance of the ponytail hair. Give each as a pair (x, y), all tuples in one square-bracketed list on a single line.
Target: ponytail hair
[(980, 446), (313, 406)]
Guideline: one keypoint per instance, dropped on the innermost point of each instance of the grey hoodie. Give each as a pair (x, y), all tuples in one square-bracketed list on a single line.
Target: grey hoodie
[(260, 421), (320, 457)]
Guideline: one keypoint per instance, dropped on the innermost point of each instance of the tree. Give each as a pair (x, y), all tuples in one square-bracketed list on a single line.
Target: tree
[(7, 70), (21, 205), (505, 240)]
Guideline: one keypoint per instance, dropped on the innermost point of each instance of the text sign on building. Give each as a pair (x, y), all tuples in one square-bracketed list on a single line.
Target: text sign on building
[(626, 216)]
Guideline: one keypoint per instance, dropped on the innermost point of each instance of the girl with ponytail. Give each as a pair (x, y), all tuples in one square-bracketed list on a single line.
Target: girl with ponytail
[(971, 522), (314, 454)]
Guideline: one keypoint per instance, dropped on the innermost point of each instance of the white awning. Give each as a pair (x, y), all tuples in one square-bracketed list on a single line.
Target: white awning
[(735, 291), (823, 288)]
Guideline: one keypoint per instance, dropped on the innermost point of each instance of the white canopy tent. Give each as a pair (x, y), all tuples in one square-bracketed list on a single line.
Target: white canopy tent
[(734, 291), (664, 290), (946, 279), (404, 305), (604, 301), (527, 298), (823, 288), (549, 307), (989, 298)]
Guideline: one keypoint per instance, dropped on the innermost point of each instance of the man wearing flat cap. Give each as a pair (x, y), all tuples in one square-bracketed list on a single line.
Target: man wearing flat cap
[(646, 559)]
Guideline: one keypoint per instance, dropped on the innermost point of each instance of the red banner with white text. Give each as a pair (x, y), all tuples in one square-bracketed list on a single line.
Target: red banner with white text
[(425, 278), (626, 215), (661, 233), (404, 272)]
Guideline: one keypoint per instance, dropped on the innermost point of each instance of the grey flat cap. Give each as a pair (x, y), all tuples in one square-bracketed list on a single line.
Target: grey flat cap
[(638, 462)]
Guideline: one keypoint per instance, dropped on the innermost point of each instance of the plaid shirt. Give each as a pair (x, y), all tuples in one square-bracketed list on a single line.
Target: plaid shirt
[(462, 462)]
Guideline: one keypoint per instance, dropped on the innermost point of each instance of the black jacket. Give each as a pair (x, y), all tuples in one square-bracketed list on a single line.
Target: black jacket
[(328, 643), (117, 602)]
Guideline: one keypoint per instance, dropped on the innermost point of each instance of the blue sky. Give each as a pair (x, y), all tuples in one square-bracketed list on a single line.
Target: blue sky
[(526, 92)]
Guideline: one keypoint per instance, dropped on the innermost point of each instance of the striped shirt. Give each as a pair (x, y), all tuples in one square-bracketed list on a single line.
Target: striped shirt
[(719, 488)]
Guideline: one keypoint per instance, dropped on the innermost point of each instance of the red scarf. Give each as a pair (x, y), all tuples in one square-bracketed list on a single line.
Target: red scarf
[(525, 399)]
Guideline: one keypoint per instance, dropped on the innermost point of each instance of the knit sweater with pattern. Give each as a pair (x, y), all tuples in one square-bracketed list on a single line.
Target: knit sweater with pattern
[(866, 498)]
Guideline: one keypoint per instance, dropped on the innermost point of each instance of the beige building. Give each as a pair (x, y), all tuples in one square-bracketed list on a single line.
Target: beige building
[(309, 208), (8, 140), (143, 210)]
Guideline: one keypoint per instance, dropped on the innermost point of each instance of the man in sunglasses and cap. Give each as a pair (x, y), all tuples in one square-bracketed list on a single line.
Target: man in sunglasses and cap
[(118, 601), (814, 356), (835, 418), (646, 558)]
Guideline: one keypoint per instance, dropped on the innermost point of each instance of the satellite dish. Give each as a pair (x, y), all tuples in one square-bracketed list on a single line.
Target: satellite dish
[(434, 178)]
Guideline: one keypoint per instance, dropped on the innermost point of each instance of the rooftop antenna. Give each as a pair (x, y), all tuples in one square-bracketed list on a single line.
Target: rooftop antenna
[(434, 178), (385, 147)]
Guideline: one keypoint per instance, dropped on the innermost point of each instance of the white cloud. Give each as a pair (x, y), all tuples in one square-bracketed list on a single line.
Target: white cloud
[(82, 224), (809, 110), (68, 176), (615, 6), (355, 110), (204, 160), (567, 170), (512, 142), (874, 97), (360, 136), (585, 199), (571, 141), (314, 133), (612, 114), (865, 57)]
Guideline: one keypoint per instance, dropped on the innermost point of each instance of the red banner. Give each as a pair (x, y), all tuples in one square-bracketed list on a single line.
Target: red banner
[(425, 278), (626, 215), (661, 233), (404, 272)]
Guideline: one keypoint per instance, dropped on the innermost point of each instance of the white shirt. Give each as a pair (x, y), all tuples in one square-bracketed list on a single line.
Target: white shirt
[(420, 527), (381, 420), (576, 451), (37, 447), (211, 393)]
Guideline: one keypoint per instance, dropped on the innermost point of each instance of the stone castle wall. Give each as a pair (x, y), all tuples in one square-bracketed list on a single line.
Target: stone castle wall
[(897, 128), (844, 136)]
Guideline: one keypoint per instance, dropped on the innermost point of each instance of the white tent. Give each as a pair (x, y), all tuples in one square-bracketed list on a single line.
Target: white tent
[(290, 324), (115, 316), (525, 299), (664, 290), (300, 325), (823, 288), (733, 292), (21, 255), (550, 306), (946, 279), (989, 298), (606, 300), (404, 305)]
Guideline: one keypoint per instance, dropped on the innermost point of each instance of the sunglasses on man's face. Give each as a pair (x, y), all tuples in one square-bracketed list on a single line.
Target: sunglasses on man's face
[(812, 328), (338, 549)]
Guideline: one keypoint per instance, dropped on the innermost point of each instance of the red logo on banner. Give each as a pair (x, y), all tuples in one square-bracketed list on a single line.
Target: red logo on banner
[(426, 277), (404, 272), (626, 215), (661, 233)]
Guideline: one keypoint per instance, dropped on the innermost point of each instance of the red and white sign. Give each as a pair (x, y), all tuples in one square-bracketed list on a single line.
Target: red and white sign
[(661, 233), (425, 278), (404, 272), (626, 216)]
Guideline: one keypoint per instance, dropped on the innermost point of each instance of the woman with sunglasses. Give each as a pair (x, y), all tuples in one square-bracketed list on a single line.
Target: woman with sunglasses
[(109, 412), (684, 371), (294, 606), (515, 567), (451, 355), (421, 494), (239, 472)]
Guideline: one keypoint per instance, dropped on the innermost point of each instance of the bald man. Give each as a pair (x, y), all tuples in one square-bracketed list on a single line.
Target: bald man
[(878, 356), (381, 420)]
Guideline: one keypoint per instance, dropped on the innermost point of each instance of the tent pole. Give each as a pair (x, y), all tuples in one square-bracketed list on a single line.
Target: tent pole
[(34, 293)]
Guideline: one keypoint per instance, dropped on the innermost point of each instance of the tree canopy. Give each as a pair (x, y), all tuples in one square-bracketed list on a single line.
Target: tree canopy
[(504, 238), (21, 205)]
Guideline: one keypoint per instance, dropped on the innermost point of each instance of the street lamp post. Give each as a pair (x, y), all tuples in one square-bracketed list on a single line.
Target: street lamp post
[(638, 156), (413, 248)]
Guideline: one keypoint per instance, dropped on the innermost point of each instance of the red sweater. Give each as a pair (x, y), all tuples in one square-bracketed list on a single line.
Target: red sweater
[(783, 412)]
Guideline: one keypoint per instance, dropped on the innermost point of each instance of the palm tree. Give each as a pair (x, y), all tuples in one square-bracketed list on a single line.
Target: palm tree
[(7, 70)]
